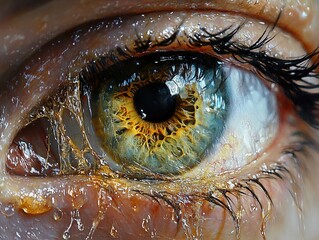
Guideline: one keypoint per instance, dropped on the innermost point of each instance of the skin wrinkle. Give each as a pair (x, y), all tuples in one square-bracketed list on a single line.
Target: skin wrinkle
[(18, 49), (19, 7)]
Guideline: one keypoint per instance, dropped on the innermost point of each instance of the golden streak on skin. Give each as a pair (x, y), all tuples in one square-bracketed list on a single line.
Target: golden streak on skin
[(33, 205)]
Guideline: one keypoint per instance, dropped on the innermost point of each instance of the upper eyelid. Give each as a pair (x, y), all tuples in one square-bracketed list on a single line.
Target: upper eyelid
[(34, 62), (61, 37), (48, 21), (87, 26)]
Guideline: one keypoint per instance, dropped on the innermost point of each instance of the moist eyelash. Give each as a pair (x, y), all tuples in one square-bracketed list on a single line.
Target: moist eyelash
[(290, 74)]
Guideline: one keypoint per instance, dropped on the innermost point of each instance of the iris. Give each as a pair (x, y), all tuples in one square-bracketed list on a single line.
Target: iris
[(161, 113)]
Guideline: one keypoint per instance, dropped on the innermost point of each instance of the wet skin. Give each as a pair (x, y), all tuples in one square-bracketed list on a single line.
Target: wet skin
[(42, 208)]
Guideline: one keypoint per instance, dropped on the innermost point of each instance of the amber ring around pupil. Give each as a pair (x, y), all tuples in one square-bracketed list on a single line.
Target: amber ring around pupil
[(161, 115)]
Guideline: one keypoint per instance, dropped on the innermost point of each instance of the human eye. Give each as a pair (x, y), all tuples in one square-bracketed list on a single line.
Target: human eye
[(240, 99)]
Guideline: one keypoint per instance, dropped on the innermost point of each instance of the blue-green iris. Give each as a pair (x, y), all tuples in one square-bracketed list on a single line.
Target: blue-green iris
[(137, 135)]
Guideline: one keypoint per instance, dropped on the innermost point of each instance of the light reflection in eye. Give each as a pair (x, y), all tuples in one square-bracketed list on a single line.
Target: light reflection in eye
[(140, 47)]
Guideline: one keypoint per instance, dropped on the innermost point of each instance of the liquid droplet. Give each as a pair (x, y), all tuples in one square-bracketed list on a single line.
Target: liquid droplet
[(114, 232), (33, 206), (134, 208), (7, 210), (57, 214), (145, 223), (104, 203), (175, 216), (94, 227), (75, 217), (80, 226), (66, 235), (187, 229), (253, 208)]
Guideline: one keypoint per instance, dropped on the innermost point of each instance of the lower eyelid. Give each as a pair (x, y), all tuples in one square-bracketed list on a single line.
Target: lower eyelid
[(120, 201), (123, 201)]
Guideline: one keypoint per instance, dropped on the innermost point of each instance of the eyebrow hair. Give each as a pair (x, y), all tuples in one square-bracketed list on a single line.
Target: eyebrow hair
[(10, 7)]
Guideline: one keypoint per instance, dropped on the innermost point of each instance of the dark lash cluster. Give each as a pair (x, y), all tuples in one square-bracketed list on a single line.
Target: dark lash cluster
[(294, 76)]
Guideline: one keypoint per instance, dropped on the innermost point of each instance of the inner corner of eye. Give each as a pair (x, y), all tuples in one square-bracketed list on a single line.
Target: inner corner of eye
[(33, 151), (165, 113)]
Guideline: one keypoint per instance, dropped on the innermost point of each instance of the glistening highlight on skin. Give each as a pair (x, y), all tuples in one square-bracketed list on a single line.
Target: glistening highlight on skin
[(253, 179)]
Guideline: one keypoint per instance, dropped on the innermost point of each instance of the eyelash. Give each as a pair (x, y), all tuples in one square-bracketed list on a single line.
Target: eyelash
[(288, 74)]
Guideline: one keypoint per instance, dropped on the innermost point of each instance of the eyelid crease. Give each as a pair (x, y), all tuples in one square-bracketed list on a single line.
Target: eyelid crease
[(20, 54), (14, 7), (256, 10)]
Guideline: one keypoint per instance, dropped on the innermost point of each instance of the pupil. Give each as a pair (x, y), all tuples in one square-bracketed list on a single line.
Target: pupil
[(154, 102)]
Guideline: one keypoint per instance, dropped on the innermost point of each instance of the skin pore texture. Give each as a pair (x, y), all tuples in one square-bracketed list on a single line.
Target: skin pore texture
[(211, 201)]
